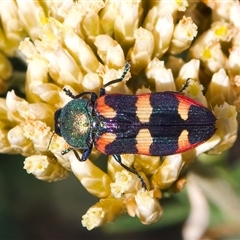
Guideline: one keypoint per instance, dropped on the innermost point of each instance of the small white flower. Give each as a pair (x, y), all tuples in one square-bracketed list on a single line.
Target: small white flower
[(45, 168), (184, 33), (148, 209), (162, 77)]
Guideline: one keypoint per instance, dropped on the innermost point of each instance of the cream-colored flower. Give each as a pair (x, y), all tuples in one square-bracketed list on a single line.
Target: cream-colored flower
[(148, 164), (226, 127), (219, 90), (111, 74), (12, 31), (91, 82), (183, 35), (114, 167), (188, 70), (126, 21), (30, 16), (105, 211), (168, 172), (159, 9), (123, 183), (140, 54), (223, 31), (211, 55), (162, 77), (208, 48), (18, 142), (37, 132), (83, 45), (62, 66), (108, 16), (110, 51), (5, 146), (83, 18), (195, 91), (80, 52), (233, 60), (236, 39), (162, 33), (92, 178), (148, 209), (222, 10), (45, 168)]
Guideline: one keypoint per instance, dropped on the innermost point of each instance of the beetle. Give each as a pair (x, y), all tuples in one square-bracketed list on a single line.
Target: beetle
[(156, 124)]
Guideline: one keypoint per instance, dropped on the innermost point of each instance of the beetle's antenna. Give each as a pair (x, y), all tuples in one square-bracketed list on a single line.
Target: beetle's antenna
[(125, 71), (185, 85), (50, 141)]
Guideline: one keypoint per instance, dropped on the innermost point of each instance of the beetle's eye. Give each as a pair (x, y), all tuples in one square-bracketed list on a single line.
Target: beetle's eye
[(57, 126)]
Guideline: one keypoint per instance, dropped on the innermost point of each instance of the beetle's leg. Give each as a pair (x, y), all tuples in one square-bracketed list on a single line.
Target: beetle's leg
[(126, 69), (49, 143), (67, 151), (77, 155), (85, 153), (185, 85), (119, 160)]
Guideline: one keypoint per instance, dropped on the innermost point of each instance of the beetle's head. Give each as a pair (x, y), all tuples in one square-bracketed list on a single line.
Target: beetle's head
[(73, 123)]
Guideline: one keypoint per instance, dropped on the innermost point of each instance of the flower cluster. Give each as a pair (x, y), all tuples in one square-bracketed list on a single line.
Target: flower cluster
[(82, 45)]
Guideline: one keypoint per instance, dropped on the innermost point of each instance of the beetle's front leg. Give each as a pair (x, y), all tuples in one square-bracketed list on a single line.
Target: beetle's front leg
[(85, 154)]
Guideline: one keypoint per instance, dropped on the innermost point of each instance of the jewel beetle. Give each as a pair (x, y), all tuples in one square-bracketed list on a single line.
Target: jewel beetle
[(156, 124)]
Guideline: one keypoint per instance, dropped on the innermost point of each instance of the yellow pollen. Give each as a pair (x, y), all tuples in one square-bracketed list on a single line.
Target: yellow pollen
[(207, 54), (221, 31)]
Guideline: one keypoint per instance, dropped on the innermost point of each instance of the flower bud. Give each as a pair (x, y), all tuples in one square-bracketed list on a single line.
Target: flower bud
[(148, 209), (105, 211), (45, 168)]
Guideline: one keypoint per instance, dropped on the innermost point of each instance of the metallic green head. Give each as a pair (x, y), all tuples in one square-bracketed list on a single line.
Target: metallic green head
[(73, 122)]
